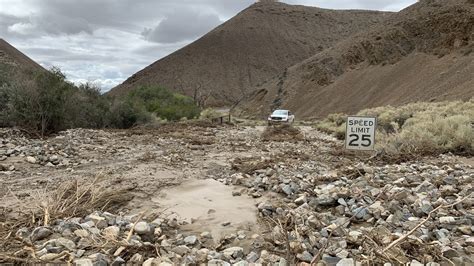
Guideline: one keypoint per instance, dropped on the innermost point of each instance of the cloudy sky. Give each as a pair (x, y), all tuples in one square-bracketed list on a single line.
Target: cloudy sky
[(106, 41)]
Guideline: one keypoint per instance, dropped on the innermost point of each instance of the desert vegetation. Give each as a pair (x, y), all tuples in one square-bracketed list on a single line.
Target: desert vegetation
[(417, 128), (49, 103)]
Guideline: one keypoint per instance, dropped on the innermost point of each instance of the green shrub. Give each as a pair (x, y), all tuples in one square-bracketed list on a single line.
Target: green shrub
[(126, 114), (164, 103), (39, 104)]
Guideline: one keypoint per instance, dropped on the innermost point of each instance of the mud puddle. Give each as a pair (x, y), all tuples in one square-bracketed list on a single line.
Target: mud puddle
[(208, 205)]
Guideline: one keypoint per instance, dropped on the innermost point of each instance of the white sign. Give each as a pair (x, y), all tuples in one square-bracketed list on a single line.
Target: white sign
[(360, 133)]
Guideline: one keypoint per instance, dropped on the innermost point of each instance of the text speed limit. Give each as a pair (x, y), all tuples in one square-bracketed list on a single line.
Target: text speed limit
[(360, 133)]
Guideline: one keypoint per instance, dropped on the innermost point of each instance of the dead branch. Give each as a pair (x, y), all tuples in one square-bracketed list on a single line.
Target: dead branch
[(399, 240)]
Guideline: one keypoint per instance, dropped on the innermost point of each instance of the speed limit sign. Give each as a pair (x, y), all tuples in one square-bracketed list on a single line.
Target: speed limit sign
[(360, 133)]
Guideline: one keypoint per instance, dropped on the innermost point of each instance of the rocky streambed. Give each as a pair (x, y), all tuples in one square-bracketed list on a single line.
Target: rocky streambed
[(200, 194)]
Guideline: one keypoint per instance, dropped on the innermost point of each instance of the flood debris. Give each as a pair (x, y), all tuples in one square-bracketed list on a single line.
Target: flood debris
[(96, 197)]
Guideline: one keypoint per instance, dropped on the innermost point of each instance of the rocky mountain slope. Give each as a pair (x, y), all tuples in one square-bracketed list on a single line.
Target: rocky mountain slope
[(422, 53), (254, 46), (13, 60)]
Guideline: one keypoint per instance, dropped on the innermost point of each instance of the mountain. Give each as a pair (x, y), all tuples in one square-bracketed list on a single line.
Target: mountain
[(15, 64), (422, 53), (254, 46)]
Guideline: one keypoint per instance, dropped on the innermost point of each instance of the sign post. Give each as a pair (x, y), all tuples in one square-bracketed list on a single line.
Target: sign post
[(360, 133)]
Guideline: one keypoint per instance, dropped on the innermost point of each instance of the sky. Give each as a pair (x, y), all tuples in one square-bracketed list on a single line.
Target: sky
[(106, 41)]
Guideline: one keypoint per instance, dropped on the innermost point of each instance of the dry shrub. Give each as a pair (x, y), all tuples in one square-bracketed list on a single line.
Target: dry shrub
[(209, 113), (250, 165), (417, 128), (74, 199), (439, 128), (282, 133), (333, 124), (70, 199)]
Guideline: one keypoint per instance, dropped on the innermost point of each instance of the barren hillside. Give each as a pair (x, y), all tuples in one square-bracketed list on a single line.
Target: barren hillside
[(423, 53), (9, 55), (252, 47), (12, 60)]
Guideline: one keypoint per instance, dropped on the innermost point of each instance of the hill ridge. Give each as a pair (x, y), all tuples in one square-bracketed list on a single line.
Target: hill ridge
[(254, 46), (370, 68)]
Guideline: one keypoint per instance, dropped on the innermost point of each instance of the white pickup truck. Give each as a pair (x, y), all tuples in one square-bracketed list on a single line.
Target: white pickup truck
[(281, 116)]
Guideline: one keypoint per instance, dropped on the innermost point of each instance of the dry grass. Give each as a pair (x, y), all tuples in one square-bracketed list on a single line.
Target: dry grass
[(70, 199), (417, 128), (282, 133)]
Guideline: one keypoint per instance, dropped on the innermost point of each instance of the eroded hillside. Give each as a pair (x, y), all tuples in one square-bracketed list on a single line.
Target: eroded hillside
[(423, 53), (255, 45)]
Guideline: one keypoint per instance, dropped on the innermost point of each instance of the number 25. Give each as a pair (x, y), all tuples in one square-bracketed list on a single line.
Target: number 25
[(366, 141)]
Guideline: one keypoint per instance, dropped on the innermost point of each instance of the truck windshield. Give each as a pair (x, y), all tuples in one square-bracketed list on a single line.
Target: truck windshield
[(280, 112)]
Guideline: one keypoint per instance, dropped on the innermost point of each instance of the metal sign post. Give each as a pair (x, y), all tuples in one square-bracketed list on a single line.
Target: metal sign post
[(360, 133)]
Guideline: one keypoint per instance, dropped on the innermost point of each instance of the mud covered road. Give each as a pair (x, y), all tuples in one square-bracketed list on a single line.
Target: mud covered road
[(293, 198)]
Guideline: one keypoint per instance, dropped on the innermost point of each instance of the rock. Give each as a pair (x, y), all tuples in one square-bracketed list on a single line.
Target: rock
[(202, 255), (343, 254), (142, 228), (305, 256), (206, 234), (31, 160), (83, 262), (360, 212), (158, 231), (241, 263), (236, 193), (416, 263), (61, 242), (181, 250), (323, 201), (157, 222), (81, 233), (300, 200), (226, 224), (111, 231), (470, 241), (329, 260), (346, 262), (118, 262), (426, 207), (447, 219), (233, 253), (40, 233), (190, 240), (80, 253), (252, 257), (287, 190), (23, 233), (158, 262), (215, 262)]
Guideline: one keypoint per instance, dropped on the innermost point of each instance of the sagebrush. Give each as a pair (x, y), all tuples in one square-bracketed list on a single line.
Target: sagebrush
[(417, 128)]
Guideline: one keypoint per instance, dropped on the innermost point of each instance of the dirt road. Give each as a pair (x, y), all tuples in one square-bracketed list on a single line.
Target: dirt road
[(228, 183)]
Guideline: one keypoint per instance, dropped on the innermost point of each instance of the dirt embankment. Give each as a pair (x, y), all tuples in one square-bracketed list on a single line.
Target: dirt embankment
[(198, 194)]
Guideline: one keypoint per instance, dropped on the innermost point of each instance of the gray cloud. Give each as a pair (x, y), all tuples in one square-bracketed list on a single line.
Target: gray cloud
[(187, 24), (106, 41)]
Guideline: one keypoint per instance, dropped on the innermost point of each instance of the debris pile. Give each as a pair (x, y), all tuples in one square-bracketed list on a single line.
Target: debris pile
[(405, 213), (313, 206), (282, 133)]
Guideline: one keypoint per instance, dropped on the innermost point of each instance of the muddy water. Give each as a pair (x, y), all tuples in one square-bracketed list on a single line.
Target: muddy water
[(207, 205)]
